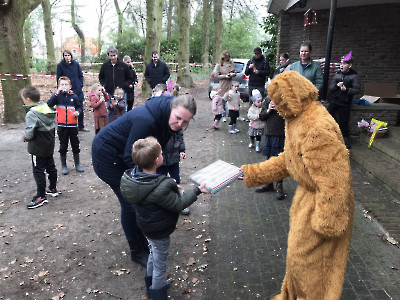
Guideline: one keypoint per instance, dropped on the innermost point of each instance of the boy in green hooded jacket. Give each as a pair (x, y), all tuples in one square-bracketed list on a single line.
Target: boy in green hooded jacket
[(40, 135)]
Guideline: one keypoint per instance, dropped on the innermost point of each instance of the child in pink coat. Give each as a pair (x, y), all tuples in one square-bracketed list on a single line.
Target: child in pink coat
[(98, 97), (216, 105)]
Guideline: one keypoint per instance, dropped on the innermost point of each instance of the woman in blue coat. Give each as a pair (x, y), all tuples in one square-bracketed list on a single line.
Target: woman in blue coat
[(71, 69), (112, 146)]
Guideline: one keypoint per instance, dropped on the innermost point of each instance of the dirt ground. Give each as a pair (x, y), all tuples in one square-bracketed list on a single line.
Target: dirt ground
[(74, 247)]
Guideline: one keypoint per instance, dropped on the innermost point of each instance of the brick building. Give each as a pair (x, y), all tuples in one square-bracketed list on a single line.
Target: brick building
[(72, 44), (369, 28)]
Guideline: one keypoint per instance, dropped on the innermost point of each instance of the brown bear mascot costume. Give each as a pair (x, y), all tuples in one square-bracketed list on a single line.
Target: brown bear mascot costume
[(321, 215)]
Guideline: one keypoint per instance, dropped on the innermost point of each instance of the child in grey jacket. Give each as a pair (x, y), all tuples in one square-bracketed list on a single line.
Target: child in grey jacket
[(40, 135), (158, 203)]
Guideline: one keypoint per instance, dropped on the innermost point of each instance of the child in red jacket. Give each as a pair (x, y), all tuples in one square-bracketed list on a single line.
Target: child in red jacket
[(98, 97)]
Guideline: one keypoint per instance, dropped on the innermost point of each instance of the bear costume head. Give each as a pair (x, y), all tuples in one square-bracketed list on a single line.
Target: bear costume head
[(291, 93)]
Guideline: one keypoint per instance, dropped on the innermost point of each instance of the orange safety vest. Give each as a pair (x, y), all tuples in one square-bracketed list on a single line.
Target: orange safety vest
[(65, 116)]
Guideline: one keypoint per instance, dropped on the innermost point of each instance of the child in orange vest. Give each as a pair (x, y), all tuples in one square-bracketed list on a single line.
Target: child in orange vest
[(68, 108)]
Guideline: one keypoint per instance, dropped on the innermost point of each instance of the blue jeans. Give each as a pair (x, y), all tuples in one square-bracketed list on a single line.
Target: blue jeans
[(173, 171), (157, 262), (224, 106)]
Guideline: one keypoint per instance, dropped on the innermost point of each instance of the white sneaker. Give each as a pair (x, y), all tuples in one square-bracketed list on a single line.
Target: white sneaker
[(223, 119), (240, 118)]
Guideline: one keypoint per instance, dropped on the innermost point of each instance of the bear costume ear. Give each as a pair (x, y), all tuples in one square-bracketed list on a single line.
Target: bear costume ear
[(290, 91)]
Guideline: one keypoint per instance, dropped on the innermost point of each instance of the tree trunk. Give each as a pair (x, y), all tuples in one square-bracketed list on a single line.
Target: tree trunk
[(218, 25), (79, 32), (103, 7), (184, 77), (28, 42), (48, 29), (169, 19), (120, 19), (154, 10), (13, 57), (206, 32)]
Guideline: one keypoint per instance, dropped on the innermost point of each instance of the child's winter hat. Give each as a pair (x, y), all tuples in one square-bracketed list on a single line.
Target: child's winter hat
[(255, 94)]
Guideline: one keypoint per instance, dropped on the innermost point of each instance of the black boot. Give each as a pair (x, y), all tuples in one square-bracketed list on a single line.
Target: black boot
[(64, 169), (280, 195), (148, 280), (265, 188), (158, 294), (138, 254), (77, 165)]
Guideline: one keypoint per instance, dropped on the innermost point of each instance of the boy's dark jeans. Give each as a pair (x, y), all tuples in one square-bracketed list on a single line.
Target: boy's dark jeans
[(64, 135), (40, 165), (342, 117)]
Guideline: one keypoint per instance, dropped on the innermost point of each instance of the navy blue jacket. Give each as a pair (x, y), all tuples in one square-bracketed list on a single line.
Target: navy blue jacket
[(115, 76), (74, 72), (112, 146), (156, 74)]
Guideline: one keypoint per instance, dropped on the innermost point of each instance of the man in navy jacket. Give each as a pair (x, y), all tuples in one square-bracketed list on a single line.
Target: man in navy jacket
[(71, 69), (157, 71)]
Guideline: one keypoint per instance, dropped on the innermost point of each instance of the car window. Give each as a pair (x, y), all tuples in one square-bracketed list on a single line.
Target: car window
[(238, 66)]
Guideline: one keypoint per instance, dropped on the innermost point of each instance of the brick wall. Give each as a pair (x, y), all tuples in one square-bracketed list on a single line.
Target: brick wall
[(389, 113), (371, 32)]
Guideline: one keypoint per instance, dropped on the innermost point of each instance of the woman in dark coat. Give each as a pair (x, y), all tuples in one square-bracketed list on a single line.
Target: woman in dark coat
[(71, 69), (111, 152)]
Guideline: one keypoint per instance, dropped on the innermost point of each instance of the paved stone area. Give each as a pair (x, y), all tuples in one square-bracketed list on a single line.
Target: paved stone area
[(249, 234)]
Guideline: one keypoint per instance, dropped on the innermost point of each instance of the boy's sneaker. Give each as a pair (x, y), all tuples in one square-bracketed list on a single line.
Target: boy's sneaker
[(223, 119), (185, 211), (37, 201), (52, 192)]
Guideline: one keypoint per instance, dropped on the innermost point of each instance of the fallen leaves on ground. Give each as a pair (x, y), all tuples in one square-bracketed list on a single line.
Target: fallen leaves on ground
[(386, 237), (121, 272), (191, 261)]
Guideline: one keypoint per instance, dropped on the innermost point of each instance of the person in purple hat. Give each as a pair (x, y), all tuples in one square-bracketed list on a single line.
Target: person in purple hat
[(344, 86)]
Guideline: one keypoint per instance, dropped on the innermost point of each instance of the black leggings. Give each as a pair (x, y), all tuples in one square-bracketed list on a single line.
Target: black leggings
[(233, 114), (258, 138)]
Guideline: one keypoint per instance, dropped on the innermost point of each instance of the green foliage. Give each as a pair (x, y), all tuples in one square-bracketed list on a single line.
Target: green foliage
[(132, 44), (195, 38), (169, 50), (40, 65), (240, 36), (270, 26)]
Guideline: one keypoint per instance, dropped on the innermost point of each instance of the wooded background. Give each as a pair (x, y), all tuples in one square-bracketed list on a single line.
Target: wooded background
[(183, 31)]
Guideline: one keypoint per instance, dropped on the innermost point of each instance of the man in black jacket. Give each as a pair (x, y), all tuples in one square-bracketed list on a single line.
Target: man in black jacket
[(157, 71), (257, 69), (115, 73), (130, 95)]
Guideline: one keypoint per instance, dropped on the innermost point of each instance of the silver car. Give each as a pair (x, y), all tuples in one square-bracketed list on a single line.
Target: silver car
[(243, 79)]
